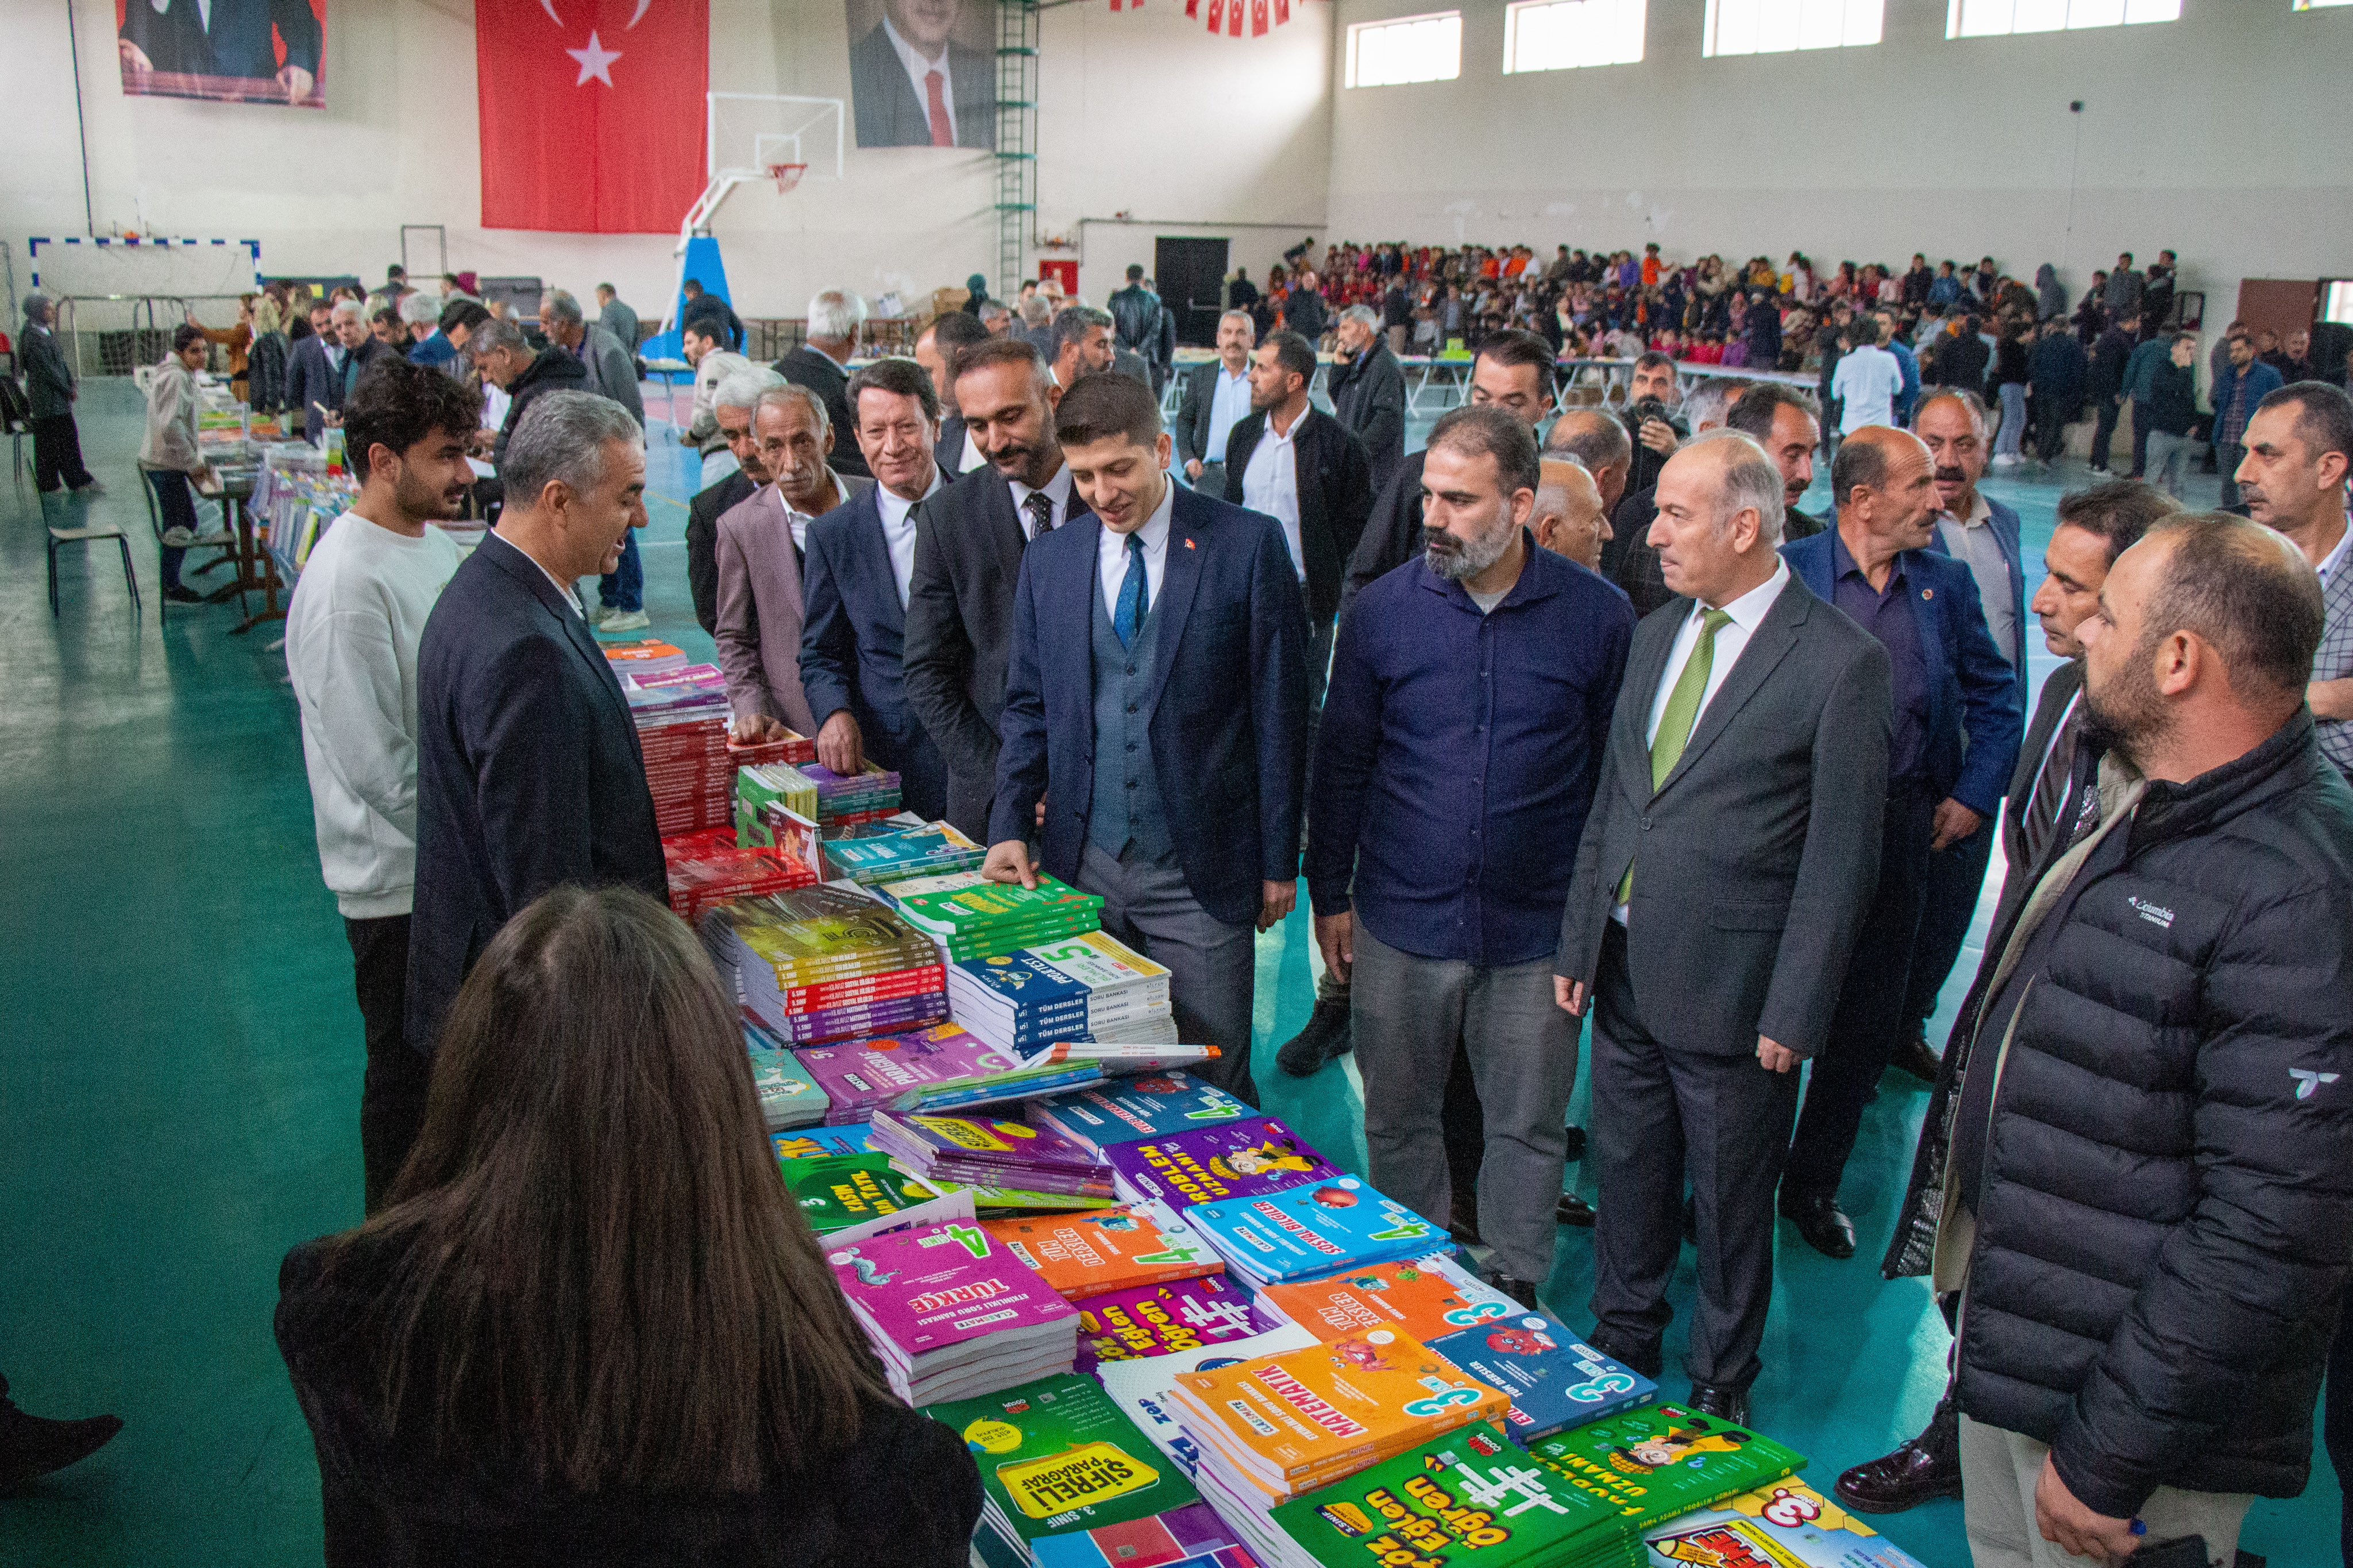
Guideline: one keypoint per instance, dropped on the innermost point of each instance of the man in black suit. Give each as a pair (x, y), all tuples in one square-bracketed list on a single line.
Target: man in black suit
[(1367, 391), (959, 629), (529, 773), (1751, 732), (862, 558), (913, 85), (313, 385), (821, 364), (1164, 744), (1631, 562), (1217, 396), (935, 351), (732, 403)]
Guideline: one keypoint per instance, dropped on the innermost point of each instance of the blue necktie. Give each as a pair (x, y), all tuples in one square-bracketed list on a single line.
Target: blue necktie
[(1129, 612)]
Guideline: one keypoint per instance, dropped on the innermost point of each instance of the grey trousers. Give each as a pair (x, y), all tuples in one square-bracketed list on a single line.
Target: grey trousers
[(1408, 1014), (2169, 461), (1999, 1472), (1212, 966)]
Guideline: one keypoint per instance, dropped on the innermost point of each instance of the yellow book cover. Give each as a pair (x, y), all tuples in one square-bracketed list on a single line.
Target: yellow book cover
[(1083, 1255)]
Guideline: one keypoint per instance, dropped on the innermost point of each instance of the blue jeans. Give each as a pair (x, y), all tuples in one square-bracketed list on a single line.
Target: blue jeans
[(624, 588), (2012, 439), (177, 503)]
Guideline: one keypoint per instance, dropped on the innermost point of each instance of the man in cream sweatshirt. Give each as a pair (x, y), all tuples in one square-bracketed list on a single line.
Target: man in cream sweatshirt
[(352, 634)]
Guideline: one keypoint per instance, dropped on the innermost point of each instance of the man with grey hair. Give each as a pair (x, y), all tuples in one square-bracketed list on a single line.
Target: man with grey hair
[(612, 372), (1471, 692), (1367, 391), (1753, 709), (529, 772), (836, 319), (1037, 325), (508, 362), (1570, 520), (733, 400), (51, 388)]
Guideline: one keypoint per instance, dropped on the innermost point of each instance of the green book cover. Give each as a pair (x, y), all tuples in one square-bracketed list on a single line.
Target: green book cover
[(1058, 1455), (964, 902), (843, 1190), (1468, 1497), (1662, 1461)]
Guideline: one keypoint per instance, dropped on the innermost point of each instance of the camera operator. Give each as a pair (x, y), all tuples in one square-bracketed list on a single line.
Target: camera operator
[(1651, 420)]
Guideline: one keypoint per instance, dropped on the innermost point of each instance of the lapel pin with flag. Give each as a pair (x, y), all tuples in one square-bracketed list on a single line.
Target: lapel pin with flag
[(1188, 545)]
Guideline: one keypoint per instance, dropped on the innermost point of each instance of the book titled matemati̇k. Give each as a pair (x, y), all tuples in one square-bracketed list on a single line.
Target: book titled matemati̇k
[(1244, 1158), (1148, 1321), (1303, 1232), (1554, 1379), (1662, 1461)]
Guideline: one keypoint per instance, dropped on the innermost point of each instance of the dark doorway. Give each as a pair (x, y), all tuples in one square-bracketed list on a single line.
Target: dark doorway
[(1192, 274)]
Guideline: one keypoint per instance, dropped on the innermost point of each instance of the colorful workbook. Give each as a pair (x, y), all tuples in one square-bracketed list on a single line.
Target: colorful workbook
[(1304, 1232), (1143, 1389), (1662, 1461), (952, 1312), (788, 1095), (1153, 1106), (818, 1142), (1554, 1379), (971, 917), (1085, 1254), (991, 1151), (1245, 1158), (844, 1190), (1428, 1297), (1082, 987), (999, 1088), (859, 1077), (1787, 1525), (1149, 1320)]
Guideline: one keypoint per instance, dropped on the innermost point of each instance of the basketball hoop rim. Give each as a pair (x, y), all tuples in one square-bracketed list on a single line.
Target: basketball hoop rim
[(786, 175)]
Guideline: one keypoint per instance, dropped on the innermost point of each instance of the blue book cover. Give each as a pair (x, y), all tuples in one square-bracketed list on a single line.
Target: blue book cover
[(1153, 1106), (1306, 1232), (789, 1097), (1554, 1380), (818, 1143)]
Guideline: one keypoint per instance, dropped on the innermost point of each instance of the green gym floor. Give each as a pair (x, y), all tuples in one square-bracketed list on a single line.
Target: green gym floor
[(180, 1072)]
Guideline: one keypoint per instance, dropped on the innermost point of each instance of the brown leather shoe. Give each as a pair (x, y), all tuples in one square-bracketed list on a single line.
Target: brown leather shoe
[(1926, 1468)]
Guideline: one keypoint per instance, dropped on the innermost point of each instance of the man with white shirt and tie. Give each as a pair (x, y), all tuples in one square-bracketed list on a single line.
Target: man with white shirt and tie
[(1165, 741), (1217, 396), (913, 85), (1740, 798), (861, 558)]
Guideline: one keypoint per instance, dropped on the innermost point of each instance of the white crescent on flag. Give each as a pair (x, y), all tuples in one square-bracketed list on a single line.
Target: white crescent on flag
[(639, 15)]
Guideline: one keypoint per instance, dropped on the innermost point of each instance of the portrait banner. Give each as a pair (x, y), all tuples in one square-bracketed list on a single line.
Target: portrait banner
[(231, 51), (922, 73)]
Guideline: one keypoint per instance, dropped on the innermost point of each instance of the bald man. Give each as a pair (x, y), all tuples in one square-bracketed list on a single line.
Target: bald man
[(1569, 518), (1958, 718)]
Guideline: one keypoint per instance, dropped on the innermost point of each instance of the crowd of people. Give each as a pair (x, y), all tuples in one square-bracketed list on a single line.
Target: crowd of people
[(1568, 717)]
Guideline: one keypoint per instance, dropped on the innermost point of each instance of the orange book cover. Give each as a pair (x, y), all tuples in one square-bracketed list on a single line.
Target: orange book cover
[(1083, 1255), (1427, 1298), (1302, 1418)]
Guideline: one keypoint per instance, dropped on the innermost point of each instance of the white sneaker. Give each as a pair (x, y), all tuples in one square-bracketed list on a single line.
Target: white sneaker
[(178, 538), (616, 620), (2004, 460)]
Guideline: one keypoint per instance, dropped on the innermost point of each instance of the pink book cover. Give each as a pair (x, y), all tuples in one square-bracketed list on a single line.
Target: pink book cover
[(860, 1075), (930, 1289)]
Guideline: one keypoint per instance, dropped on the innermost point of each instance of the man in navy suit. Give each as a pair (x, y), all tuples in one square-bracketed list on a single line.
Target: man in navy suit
[(1982, 534), (529, 773), (1958, 723), (1167, 739), (862, 555)]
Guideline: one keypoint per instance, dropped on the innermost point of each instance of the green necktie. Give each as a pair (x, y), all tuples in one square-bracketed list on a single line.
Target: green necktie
[(1682, 711)]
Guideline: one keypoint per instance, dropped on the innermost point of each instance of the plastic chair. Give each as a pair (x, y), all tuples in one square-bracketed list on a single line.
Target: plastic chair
[(84, 536)]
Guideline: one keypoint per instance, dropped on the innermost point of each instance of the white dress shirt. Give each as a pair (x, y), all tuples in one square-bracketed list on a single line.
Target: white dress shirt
[(1227, 404), (1271, 485), (2334, 558), (972, 456), (899, 532), (1972, 541), (1110, 554), (918, 68), (1057, 490), (562, 589)]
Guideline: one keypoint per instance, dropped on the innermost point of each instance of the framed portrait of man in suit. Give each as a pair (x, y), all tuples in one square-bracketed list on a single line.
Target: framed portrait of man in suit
[(922, 73), (238, 51)]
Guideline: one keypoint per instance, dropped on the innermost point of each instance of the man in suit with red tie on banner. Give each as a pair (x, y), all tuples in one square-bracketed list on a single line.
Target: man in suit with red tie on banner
[(913, 84)]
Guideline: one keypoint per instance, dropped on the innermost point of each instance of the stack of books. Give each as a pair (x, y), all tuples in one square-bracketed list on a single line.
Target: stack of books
[(1662, 1461), (991, 1152), (1147, 1322), (881, 854), (836, 1191), (861, 1076), (953, 1313), (1025, 1081), (793, 749), (1303, 1233), (709, 867), (1084, 1255), (1069, 1482), (971, 917), (846, 803), (1783, 1524), (760, 786), (1156, 1106), (819, 964), (1143, 1388), (682, 718), (1554, 1380), (1468, 1497), (1428, 1298), (1086, 987), (789, 1097), (1244, 1158), (643, 656)]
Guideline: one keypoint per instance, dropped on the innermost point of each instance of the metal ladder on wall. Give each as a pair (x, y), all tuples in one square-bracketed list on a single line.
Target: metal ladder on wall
[(1017, 138)]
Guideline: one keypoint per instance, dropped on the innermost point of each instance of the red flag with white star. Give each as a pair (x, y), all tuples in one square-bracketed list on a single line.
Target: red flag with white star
[(592, 112)]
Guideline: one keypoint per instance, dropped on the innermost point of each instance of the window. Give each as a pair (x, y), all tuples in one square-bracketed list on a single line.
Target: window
[(1773, 26), (1561, 34), (1990, 18), (1411, 48), (2317, 4)]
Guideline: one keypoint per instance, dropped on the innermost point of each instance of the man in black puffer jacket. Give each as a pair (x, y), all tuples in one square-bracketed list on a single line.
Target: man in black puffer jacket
[(2151, 1181)]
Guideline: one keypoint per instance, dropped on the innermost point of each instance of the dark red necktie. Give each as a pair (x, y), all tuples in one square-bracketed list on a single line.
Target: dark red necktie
[(943, 129)]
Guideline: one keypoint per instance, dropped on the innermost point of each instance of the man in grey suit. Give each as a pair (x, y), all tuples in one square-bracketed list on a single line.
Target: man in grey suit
[(1217, 399), (1731, 852), (617, 318), (911, 85)]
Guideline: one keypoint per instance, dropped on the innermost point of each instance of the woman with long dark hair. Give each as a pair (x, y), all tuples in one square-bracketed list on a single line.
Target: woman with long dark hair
[(590, 1325)]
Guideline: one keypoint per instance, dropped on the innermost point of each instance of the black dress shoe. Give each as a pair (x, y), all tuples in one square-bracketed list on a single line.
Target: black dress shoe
[(178, 595), (1326, 1038), (1649, 1362), (1575, 1144), (1926, 1468), (1463, 1223), (31, 1447), (1524, 1291), (1914, 1058), (1821, 1222), (1723, 1403), (1573, 1210)]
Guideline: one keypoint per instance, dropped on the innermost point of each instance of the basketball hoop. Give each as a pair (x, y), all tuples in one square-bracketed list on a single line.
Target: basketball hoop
[(786, 175)]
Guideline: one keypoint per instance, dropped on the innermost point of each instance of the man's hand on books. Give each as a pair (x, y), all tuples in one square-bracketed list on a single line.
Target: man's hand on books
[(1009, 862), (1335, 938), (840, 746), (1275, 902), (760, 729)]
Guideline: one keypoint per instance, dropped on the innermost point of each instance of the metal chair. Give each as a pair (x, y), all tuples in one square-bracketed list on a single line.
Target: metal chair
[(224, 539), (84, 536)]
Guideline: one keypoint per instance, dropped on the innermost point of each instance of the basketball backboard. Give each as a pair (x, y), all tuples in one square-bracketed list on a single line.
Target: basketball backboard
[(749, 135)]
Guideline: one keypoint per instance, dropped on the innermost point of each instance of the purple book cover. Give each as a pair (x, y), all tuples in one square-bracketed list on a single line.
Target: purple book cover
[(864, 1018), (864, 1074), (1244, 1158), (1008, 1141), (927, 1289), (1146, 1321)]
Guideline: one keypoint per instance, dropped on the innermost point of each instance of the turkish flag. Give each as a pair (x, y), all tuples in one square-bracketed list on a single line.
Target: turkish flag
[(592, 112)]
